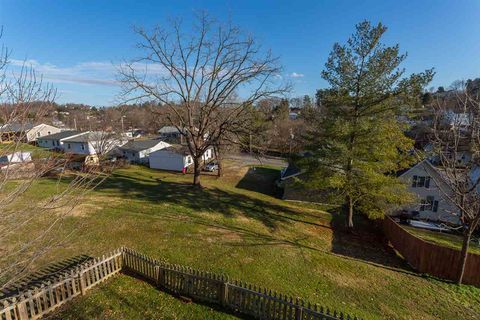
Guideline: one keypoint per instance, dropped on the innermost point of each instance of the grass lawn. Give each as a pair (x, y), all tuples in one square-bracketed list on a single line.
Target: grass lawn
[(444, 239), (236, 226)]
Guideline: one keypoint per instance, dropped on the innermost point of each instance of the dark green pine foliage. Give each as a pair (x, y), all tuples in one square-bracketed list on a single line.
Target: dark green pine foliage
[(355, 140)]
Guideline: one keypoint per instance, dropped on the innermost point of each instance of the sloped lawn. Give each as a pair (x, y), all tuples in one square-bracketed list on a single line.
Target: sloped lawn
[(229, 227)]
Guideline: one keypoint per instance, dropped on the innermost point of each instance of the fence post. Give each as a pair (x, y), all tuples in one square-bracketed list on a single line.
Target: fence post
[(224, 294), (22, 309), (83, 285), (298, 313), (157, 276)]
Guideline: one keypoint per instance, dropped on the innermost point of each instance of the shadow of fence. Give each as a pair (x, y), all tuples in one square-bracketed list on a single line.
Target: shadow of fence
[(231, 295)]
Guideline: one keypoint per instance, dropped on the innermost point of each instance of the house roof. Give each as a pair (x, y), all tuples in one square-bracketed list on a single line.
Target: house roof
[(178, 148), (16, 127), (290, 171), (139, 145), (61, 135), (88, 136), (168, 129)]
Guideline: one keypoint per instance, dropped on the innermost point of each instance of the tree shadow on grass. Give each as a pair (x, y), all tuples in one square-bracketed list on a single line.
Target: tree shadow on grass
[(262, 180), (366, 243), (229, 204), (50, 273)]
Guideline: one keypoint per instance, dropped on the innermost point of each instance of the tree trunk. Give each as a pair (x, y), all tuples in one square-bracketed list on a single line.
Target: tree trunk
[(220, 167), (463, 255), (349, 213), (196, 172), (218, 158)]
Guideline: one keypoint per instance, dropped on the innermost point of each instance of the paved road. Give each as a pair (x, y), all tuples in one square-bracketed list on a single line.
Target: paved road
[(247, 159)]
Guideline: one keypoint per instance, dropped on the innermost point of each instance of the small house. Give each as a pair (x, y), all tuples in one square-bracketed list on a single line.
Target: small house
[(55, 141), (175, 158), (91, 142), (431, 189), (138, 151), (171, 134), (26, 132)]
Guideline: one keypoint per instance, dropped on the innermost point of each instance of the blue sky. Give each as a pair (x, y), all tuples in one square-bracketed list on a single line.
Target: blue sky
[(75, 44)]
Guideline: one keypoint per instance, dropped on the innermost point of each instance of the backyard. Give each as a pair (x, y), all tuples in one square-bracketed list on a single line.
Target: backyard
[(236, 225)]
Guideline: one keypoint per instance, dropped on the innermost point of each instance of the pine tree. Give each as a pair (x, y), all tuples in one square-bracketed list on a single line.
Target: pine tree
[(356, 143)]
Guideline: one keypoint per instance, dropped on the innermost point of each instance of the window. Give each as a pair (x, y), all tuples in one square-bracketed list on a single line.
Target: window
[(69, 146), (420, 182), (429, 204), (83, 146)]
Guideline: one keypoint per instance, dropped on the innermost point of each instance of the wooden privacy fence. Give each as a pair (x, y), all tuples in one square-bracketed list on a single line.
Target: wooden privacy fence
[(427, 257), (235, 296)]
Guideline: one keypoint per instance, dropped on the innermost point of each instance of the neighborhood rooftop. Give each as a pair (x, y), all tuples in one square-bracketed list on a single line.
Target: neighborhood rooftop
[(16, 127), (87, 136), (139, 145), (61, 135)]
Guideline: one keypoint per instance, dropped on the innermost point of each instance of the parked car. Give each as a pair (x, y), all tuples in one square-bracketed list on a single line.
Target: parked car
[(212, 166)]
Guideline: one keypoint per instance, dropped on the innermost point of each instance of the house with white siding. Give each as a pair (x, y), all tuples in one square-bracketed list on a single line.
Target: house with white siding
[(431, 189), (55, 141), (92, 142), (138, 151), (25, 131), (175, 158)]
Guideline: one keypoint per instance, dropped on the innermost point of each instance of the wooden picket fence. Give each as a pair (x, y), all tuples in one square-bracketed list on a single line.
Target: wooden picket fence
[(233, 295), (39, 301)]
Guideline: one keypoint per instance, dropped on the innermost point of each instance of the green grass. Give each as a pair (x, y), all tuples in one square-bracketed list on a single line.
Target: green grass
[(235, 226), (444, 239), (128, 298)]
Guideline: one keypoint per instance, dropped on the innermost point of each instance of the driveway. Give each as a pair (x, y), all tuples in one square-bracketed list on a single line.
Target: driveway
[(248, 160)]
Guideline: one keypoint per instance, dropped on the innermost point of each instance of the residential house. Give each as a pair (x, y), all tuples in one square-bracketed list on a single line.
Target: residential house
[(293, 190), (171, 134), (92, 143), (55, 141), (26, 132), (138, 151), (175, 158), (431, 189)]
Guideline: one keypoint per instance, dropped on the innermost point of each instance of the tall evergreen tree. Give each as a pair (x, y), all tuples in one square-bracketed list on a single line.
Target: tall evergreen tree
[(356, 142)]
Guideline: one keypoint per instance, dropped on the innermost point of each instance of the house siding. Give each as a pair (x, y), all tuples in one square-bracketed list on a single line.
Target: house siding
[(41, 131), (446, 211)]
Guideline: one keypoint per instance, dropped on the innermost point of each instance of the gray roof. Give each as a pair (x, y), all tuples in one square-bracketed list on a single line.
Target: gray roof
[(291, 171), (168, 129), (60, 135), (88, 136), (178, 148), (139, 145), (16, 127)]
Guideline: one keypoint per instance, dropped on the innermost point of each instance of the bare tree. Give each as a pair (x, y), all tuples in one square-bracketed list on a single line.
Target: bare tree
[(31, 224), (199, 75), (456, 141)]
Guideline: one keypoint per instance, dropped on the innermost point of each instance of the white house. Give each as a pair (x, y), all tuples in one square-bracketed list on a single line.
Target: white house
[(138, 151), (41, 130), (430, 187), (16, 157), (175, 158), (25, 131), (55, 141), (91, 142)]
